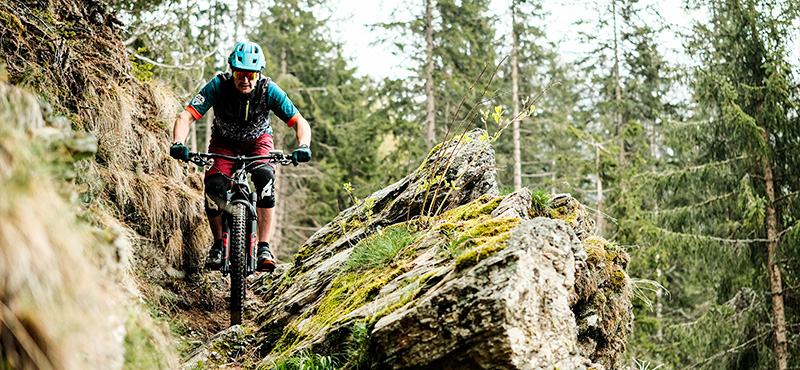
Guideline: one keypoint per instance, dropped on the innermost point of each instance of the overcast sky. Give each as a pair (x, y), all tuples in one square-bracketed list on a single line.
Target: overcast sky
[(351, 19)]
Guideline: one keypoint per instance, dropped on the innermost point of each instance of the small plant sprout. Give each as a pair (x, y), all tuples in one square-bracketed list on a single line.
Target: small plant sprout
[(645, 365), (367, 208)]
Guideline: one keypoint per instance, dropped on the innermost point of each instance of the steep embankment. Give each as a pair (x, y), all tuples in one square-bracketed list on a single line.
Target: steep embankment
[(97, 224)]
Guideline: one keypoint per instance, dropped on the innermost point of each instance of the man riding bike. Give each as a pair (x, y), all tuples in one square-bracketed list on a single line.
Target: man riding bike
[(242, 101)]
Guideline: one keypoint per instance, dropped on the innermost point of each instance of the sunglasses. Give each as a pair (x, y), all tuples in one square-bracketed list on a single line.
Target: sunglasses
[(240, 75)]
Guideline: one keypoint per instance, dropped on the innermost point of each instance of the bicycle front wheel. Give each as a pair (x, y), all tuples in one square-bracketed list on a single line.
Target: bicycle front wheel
[(237, 262)]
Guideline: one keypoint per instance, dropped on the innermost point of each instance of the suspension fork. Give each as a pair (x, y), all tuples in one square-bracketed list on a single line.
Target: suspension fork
[(226, 245), (252, 229)]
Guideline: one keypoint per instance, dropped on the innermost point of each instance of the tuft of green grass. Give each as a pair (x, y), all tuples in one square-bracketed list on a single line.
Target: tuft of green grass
[(539, 207), (307, 361), (375, 251)]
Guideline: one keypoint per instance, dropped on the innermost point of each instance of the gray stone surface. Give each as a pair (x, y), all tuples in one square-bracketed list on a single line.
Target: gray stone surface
[(517, 204), (511, 311)]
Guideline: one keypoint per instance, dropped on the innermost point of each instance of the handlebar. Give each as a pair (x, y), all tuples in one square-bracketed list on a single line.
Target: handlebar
[(274, 157)]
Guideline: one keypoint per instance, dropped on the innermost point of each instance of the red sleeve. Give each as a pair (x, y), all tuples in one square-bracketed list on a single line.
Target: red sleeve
[(194, 112), (293, 120)]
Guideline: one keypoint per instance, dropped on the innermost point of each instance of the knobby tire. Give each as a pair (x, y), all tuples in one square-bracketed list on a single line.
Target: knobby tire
[(238, 262)]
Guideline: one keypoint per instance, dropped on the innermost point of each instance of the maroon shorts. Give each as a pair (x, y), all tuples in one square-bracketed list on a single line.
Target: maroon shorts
[(259, 146)]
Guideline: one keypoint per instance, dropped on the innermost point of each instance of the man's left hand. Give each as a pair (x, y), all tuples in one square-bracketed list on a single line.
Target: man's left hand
[(301, 154)]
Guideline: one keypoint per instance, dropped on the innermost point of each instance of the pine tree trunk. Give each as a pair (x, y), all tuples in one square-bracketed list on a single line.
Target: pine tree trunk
[(515, 99), (776, 283), (659, 304), (276, 239), (429, 111), (618, 126), (599, 220)]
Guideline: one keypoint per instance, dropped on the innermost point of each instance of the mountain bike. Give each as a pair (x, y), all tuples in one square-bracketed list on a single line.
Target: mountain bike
[(239, 220)]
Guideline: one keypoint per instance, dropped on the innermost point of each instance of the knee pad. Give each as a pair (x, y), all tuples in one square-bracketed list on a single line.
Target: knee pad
[(264, 180), (216, 185)]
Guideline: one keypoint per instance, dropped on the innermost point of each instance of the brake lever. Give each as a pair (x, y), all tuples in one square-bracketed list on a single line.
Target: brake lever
[(199, 161)]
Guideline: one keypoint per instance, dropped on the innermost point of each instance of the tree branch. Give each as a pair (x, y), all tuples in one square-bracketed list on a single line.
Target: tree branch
[(696, 168), (728, 351), (186, 67), (707, 202), (792, 194), (722, 240)]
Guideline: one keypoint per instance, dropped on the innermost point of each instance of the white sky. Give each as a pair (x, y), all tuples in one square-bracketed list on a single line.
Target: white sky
[(351, 19)]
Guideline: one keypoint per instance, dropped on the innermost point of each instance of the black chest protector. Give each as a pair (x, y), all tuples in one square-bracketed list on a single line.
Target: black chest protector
[(241, 117)]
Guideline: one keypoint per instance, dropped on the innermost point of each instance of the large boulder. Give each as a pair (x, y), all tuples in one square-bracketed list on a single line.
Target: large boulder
[(511, 311), (438, 272)]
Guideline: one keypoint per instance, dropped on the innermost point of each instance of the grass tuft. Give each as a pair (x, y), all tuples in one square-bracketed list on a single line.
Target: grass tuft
[(539, 206), (307, 361), (379, 249)]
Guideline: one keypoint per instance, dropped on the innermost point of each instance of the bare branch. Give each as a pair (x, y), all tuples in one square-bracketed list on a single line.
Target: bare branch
[(792, 194), (187, 67), (707, 202), (700, 167), (543, 174), (728, 351), (722, 240)]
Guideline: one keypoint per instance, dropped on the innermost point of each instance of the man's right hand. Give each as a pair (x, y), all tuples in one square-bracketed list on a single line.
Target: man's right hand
[(179, 151)]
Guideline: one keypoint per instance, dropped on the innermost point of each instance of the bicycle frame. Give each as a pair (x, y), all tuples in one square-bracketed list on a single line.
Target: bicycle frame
[(239, 192)]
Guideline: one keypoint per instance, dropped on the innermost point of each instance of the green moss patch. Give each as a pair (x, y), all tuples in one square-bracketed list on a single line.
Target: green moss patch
[(348, 292), (564, 214), (481, 206), (486, 247)]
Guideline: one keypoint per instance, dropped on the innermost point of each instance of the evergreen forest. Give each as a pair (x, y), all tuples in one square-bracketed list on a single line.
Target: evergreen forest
[(689, 158), (679, 131)]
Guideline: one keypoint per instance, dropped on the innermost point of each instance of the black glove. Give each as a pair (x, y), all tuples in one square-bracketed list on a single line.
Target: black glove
[(301, 154), (179, 151)]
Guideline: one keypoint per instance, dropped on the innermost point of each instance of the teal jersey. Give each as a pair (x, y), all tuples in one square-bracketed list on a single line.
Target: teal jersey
[(242, 117)]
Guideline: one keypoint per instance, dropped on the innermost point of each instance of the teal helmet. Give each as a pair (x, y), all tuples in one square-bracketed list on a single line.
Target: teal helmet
[(247, 56)]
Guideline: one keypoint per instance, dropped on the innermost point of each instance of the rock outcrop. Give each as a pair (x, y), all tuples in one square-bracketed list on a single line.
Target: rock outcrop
[(437, 271), (511, 311)]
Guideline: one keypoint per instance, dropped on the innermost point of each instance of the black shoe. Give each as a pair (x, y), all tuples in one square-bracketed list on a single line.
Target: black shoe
[(214, 260), (266, 261)]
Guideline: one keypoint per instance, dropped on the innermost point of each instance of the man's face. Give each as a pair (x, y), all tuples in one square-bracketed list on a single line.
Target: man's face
[(245, 81)]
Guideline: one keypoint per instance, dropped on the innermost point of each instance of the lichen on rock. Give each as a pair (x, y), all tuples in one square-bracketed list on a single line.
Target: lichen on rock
[(479, 284)]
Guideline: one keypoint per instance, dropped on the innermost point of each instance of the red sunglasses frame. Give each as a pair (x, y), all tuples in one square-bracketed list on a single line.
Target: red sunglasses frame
[(251, 75)]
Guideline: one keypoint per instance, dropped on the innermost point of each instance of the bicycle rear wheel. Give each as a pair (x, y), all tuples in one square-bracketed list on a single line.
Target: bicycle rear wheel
[(237, 262)]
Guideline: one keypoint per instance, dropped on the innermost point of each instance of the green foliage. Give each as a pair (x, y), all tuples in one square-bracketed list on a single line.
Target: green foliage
[(142, 72), (308, 361), (539, 205), (752, 206), (142, 349), (377, 250), (704, 227)]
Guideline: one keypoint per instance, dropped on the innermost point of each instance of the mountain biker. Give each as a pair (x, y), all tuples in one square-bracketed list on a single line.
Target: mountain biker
[(242, 102)]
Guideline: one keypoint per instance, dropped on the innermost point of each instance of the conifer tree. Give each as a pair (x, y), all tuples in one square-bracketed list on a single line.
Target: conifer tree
[(453, 43), (727, 209), (313, 71), (540, 155)]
